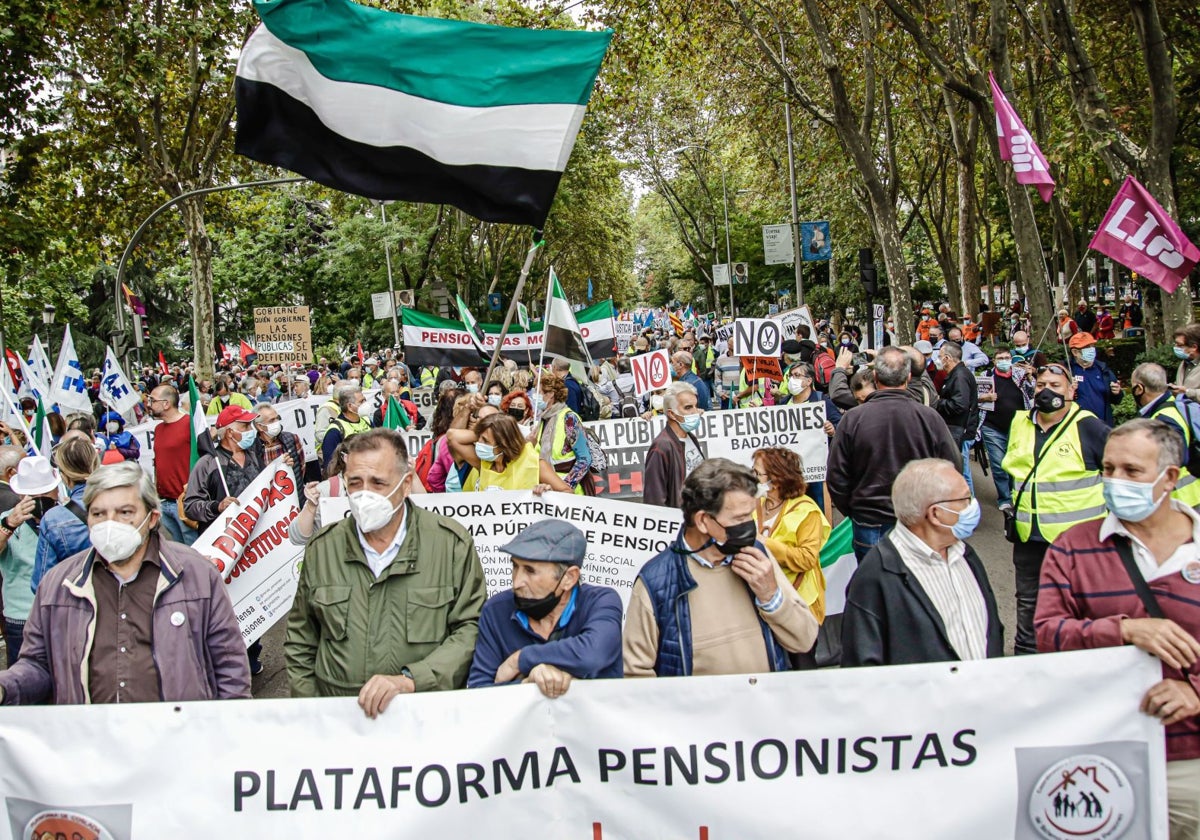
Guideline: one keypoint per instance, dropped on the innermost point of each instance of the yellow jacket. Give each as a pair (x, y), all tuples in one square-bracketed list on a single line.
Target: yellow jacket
[(795, 540)]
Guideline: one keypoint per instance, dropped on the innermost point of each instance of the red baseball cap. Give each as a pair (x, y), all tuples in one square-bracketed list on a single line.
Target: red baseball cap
[(234, 414)]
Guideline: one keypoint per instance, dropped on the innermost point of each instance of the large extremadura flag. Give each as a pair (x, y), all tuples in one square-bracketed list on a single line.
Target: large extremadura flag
[(393, 106)]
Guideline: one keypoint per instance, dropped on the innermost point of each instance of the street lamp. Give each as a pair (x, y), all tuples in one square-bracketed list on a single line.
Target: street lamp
[(48, 320), (725, 205)]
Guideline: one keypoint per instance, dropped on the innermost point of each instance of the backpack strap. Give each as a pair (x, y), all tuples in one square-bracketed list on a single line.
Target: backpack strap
[(1125, 550), (78, 510)]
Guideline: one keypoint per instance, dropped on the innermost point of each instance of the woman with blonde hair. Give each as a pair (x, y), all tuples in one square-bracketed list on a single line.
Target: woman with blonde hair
[(63, 530), (501, 458), (324, 383)]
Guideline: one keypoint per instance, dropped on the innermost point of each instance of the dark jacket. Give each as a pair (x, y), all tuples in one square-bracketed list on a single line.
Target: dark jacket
[(958, 403), (574, 393), (214, 477), (889, 619), (586, 644), (663, 475), (873, 443), (202, 657), (668, 583), (1094, 392)]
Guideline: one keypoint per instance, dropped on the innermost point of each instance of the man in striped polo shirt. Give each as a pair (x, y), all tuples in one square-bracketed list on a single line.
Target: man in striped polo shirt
[(1089, 593)]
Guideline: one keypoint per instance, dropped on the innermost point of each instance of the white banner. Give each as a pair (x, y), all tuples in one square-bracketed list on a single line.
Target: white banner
[(791, 320), (624, 332), (621, 536), (115, 390), (945, 750), (249, 546)]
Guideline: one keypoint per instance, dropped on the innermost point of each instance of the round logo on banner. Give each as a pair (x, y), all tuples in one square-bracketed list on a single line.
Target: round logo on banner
[(1084, 797), (660, 372), (54, 824)]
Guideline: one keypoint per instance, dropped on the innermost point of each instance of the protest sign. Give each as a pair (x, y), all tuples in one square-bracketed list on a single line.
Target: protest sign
[(987, 387), (651, 371), (624, 332), (249, 546), (757, 337), (282, 334), (790, 321), (621, 536), (762, 367), (936, 750)]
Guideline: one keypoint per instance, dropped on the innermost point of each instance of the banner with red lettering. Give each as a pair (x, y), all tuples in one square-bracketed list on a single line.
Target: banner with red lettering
[(249, 545), (1139, 234)]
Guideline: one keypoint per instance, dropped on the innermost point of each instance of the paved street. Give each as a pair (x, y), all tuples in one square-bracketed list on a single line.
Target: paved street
[(988, 541)]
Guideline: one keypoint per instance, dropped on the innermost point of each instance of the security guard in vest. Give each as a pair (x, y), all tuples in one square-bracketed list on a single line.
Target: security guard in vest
[(348, 423), (429, 375), (1055, 453), (1155, 400)]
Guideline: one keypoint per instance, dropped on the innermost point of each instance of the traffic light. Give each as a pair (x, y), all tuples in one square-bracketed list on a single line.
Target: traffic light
[(866, 272), (139, 331), (120, 343)]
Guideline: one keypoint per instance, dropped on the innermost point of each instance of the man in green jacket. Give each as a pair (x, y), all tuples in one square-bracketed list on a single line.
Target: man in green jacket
[(389, 598)]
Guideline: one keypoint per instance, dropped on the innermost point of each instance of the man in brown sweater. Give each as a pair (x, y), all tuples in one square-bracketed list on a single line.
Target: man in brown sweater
[(715, 601)]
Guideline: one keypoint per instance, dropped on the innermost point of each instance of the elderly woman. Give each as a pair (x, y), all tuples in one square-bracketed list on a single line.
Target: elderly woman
[(790, 524), (560, 438), (501, 459)]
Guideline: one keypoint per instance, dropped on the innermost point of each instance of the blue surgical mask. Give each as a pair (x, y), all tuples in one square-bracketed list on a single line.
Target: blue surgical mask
[(1004, 365), (968, 520), (472, 388), (494, 399), (539, 403), (248, 437), (1131, 501), (485, 451), (1181, 353), (689, 422), (1088, 354)]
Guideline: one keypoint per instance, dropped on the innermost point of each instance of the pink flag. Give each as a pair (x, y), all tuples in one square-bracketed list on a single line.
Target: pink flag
[(1138, 233), (1016, 144)]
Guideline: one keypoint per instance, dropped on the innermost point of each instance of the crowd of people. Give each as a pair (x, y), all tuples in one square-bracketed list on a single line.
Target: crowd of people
[(104, 601)]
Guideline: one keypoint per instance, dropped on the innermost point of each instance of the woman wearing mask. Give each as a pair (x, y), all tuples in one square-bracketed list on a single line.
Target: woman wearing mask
[(448, 470), (791, 525), (846, 342), (495, 393), (63, 530), (800, 387), (517, 406), (560, 438), (501, 459), (118, 444)]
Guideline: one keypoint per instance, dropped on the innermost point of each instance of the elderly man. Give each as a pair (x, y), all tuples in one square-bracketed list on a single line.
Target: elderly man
[(219, 476), (562, 367), (676, 452), (348, 423), (1023, 353), (1150, 390), (958, 403), (172, 459), (135, 619), (1132, 578), (10, 457), (389, 598), (715, 601), (922, 594), (1054, 455), (972, 356), (872, 444), (549, 627), (273, 441), (1187, 350), (681, 366), (1096, 387)]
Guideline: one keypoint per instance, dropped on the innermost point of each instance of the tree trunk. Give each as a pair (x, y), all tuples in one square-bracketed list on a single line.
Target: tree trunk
[(966, 146), (200, 249)]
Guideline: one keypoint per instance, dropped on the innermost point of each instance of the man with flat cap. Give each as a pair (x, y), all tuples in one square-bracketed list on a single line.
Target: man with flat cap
[(550, 627)]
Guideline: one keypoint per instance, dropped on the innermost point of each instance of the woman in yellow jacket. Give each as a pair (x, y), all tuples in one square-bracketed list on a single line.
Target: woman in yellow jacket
[(501, 458), (790, 524)]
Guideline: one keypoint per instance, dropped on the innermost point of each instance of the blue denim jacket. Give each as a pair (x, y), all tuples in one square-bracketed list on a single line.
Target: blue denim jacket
[(60, 535)]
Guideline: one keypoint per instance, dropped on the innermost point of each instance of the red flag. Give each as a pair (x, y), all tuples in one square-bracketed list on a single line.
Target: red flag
[(1138, 233), (14, 366), (360, 354), (248, 354), (162, 364)]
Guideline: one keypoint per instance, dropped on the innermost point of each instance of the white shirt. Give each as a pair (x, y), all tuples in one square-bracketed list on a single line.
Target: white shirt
[(951, 586), (380, 560), (1146, 562)]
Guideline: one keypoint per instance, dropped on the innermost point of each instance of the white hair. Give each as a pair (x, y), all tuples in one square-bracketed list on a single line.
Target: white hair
[(919, 485), (673, 392)]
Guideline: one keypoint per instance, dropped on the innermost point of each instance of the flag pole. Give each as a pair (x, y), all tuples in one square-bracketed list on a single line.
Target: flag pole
[(538, 242), (542, 351)]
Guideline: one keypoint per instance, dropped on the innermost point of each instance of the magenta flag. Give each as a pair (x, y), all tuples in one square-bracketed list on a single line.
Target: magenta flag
[(1138, 233), (1016, 145)]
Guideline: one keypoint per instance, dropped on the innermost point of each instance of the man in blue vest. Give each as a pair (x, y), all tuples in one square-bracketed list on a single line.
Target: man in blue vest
[(715, 601)]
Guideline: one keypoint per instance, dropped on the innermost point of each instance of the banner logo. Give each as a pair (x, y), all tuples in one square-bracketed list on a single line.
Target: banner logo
[(30, 820), (1084, 796)]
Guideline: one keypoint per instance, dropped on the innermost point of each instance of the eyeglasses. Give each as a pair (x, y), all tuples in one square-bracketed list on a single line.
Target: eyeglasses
[(1058, 369)]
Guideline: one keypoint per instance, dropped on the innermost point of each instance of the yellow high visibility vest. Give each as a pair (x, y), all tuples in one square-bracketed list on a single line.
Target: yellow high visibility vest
[(1063, 492), (1187, 490)]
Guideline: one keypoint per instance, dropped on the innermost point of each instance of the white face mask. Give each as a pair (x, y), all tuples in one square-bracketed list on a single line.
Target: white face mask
[(371, 510), (116, 541), (656, 402), (112, 427), (797, 384), (273, 429)]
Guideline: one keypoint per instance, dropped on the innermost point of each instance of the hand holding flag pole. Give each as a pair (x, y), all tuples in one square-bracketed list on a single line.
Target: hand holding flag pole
[(538, 242)]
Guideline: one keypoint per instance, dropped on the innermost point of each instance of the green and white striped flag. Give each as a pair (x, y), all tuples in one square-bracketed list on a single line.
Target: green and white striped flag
[(839, 565), (201, 439)]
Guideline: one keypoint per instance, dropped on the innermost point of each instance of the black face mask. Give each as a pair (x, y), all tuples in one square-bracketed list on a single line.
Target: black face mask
[(1048, 402), (40, 505), (537, 608), (737, 537), (517, 414)]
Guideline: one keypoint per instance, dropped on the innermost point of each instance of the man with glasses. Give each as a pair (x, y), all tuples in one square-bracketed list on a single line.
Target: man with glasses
[(1054, 457), (921, 594), (172, 460)]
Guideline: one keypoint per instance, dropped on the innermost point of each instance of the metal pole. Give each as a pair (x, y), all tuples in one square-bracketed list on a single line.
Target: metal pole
[(137, 234), (387, 255), (797, 248), (728, 257)]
